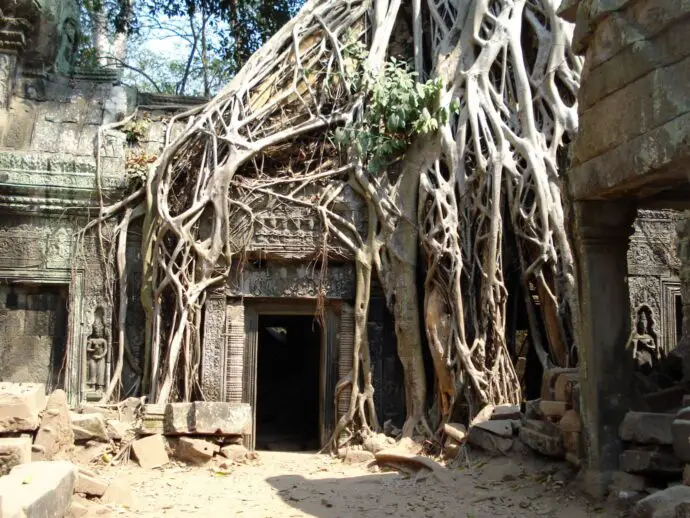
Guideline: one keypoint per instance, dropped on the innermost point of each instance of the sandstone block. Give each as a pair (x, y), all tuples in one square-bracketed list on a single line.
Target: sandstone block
[(651, 462), (222, 418), (13, 452), (503, 428), (152, 417), (89, 484), (150, 451), (563, 386), (662, 504), (178, 418), (572, 444), (88, 427), (553, 408), (542, 436), (451, 448), (20, 406), (686, 475), (195, 451), (549, 379), (238, 453), (570, 422), (55, 436), (116, 429), (455, 430), (489, 441), (38, 490), (680, 432), (647, 428), (502, 412)]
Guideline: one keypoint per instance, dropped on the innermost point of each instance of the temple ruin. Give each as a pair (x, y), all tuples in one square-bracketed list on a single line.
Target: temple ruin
[(66, 147)]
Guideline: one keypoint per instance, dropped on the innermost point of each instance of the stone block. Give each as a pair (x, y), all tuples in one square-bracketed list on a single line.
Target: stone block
[(549, 379), (570, 422), (543, 437), (686, 475), (20, 406), (88, 483), (572, 444), (662, 504), (613, 121), (532, 410), (238, 453), (87, 427), (195, 451), (489, 442), (651, 462), (178, 418), (665, 400), (647, 428), (116, 429), (503, 428), (564, 385), (38, 490), (680, 432), (55, 436), (502, 412), (222, 418), (152, 417), (150, 451), (553, 409), (13, 452)]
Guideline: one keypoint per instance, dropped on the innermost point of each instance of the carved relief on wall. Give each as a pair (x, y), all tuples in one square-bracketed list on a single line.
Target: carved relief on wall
[(6, 66), (645, 290), (645, 341), (97, 346)]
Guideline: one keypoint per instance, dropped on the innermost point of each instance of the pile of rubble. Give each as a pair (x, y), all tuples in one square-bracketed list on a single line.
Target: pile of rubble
[(550, 425), (45, 448)]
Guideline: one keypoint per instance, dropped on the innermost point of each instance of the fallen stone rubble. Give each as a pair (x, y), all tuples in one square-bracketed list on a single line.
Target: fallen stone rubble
[(45, 446)]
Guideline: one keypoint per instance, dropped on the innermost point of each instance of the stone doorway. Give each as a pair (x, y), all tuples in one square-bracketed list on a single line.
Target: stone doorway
[(288, 383), (33, 329)]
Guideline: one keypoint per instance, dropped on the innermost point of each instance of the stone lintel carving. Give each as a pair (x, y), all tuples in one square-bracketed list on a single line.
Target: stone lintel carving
[(295, 280)]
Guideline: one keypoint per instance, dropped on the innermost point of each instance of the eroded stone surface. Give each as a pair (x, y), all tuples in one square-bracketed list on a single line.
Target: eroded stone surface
[(89, 427), (195, 451), (662, 504), (55, 436), (542, 436), (14, 451), (38, 490), (150, 451), (647, 428), (20, 406)]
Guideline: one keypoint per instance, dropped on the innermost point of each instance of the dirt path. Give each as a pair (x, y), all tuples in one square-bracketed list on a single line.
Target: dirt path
[(281, 485)]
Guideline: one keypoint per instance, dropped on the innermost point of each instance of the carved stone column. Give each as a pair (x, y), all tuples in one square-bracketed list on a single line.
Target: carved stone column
[(213, 349), (601, 234), (234, 351), (346, 342)]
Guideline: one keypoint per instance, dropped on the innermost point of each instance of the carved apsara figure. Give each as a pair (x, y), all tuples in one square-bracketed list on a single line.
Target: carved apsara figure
[(96, 352), (645, 349)]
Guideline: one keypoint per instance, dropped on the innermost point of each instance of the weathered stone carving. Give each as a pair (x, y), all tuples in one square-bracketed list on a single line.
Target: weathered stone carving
[(96, 353), (645, 347)]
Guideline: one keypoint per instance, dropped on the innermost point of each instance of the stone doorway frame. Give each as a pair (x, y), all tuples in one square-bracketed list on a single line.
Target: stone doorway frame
[(74, 351), (328, 370)]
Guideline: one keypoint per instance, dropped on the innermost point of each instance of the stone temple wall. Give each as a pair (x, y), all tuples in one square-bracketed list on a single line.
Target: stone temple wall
[(654, 282)]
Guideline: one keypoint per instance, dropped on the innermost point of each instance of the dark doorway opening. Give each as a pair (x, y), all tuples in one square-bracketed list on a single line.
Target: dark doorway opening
[(287, 384)]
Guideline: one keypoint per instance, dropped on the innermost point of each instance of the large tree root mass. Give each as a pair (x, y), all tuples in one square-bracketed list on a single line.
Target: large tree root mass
[(265, 144)]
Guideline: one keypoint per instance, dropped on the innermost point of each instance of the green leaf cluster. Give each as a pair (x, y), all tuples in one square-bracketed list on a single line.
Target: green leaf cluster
[(397, 109), (136, 130)]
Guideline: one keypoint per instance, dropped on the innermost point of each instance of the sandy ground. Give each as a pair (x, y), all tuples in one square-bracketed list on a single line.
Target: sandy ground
[(281, 485)]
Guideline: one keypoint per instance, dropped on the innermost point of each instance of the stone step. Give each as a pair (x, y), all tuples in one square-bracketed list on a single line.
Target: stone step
[(647, 428)]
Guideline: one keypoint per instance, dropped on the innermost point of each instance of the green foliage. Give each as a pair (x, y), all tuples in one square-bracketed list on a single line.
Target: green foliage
[(398, 108), (136, 130)]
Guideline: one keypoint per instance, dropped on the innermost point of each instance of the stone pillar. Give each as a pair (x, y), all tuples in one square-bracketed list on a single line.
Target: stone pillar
[(234, 351), (683, 230), (213, 349), (601, 234), (346, 342)]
